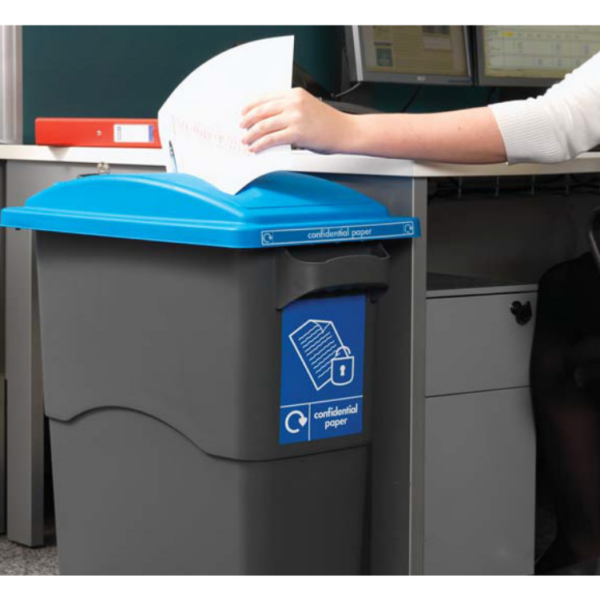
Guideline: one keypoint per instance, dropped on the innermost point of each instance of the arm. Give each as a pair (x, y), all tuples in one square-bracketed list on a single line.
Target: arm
[(557, 126), (296, 117), (551, 128), (465, 136)]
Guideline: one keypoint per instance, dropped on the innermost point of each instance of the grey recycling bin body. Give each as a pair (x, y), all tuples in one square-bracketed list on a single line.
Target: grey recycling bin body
[(207, 364)]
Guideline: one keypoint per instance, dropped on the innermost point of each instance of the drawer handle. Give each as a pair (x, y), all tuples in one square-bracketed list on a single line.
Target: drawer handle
[(522, 312)]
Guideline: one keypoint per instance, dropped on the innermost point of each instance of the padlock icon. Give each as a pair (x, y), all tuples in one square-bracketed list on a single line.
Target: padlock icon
[(342, 367)]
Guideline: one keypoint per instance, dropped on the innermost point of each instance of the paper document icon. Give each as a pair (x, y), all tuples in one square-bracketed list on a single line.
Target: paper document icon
[(317, 344)]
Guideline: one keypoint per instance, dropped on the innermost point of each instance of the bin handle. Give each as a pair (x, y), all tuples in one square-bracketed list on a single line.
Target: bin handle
[(297, 278)]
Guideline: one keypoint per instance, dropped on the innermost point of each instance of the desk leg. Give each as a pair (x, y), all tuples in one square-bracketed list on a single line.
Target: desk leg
[(398, 472), (2, 361), (24, 397), (25, 416), (398, 523)]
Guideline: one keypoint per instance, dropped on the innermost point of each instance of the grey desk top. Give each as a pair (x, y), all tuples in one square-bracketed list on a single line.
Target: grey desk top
[(306, 161)]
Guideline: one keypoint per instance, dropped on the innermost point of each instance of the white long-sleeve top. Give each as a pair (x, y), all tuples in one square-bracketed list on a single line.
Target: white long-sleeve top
[(557, 126)]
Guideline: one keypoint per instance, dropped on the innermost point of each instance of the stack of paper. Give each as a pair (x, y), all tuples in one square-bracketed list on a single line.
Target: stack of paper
[(200, 122)]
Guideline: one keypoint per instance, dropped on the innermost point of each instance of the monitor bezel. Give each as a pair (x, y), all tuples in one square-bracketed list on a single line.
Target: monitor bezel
[(358, 73), (487, 81)]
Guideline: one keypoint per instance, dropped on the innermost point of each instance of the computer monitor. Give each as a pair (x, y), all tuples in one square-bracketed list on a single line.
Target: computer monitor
[(532, 56), (428, 54)]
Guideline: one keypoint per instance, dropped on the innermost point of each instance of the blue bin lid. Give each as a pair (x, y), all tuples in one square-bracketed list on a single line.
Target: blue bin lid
[(278, 209)]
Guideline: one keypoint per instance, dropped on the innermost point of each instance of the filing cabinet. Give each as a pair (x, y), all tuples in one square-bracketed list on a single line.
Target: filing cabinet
[(480, 440)]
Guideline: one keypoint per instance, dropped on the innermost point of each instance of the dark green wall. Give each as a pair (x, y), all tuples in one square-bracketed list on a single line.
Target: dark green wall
[(107, 71), (130, 71)]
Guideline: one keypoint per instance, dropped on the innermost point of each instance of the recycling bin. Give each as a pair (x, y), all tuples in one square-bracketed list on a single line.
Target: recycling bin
[(208, 370)]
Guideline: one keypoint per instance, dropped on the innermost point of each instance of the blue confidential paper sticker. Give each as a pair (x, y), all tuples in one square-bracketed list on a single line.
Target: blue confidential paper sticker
[(341, 233), (322, 368)]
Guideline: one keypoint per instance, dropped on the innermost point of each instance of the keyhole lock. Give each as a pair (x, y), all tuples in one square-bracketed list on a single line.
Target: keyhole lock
[(343, 369), (522, 312)]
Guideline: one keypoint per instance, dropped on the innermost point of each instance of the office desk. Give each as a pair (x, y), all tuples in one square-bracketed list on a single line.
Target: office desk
[(398, 497)]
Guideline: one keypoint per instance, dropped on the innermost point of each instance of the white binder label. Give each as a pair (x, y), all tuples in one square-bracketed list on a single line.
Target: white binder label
[(133, 134)]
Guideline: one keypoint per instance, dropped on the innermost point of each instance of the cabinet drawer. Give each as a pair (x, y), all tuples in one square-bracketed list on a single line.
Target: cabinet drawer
[(480, 484), (474, 343)]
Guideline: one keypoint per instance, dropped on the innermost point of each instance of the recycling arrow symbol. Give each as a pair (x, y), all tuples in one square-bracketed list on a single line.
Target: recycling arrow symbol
[(302, 421)]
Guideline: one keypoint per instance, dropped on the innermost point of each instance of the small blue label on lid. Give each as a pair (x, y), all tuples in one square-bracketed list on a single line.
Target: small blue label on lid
[(340, 233)]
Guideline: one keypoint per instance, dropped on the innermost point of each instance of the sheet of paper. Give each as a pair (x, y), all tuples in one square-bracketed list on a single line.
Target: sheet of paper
[(200, 122)]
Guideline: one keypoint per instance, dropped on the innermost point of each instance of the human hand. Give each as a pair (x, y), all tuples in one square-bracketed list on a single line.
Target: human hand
[(294, 117)]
